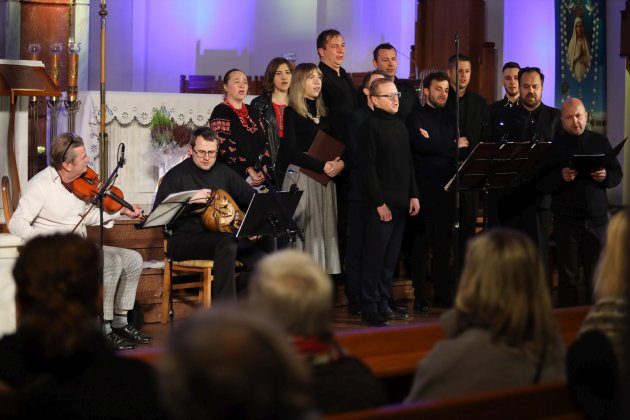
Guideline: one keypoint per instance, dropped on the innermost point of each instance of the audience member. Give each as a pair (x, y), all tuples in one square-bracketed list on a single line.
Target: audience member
[(296, 293), (500, 332), (229, 364), (58, 361), (269, 107), (596, 359), (580, 203), (317, 210), (241, 137)]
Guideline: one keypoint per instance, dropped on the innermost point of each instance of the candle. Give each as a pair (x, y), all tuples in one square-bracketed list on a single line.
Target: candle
[(73, 69), (55, 69)]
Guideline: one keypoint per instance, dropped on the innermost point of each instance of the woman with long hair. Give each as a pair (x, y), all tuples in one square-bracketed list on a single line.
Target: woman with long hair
[(270, 107), (242, 139), (500, 331), (317, 211)]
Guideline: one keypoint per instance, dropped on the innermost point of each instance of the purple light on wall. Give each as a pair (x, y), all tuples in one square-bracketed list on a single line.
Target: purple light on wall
[(529, 39)]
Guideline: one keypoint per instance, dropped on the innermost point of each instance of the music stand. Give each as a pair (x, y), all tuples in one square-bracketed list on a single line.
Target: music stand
[(270, 214), (495, 166)]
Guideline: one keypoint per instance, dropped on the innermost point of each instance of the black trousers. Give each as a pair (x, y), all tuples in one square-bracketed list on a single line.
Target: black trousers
[(354, 248), (576, 239), (381, 247), (224, 249), (433, 232)]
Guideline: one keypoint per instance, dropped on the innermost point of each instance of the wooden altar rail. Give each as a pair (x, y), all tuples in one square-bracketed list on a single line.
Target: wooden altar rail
[(199, 83)]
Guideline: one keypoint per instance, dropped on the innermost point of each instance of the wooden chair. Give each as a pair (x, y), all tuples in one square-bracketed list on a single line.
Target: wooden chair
[(201, 268), (6, 200), (197, 83)]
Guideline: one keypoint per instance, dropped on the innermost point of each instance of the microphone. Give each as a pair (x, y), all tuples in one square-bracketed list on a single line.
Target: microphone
[(122, 161), (415, 65), (532, 122), (261, 107)]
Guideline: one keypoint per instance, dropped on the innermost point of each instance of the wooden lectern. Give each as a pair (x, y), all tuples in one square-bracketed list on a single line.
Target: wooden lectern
[(20, 78)]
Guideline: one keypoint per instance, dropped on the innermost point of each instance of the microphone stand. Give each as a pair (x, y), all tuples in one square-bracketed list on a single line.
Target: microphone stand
[(294, 229), (456, 218)]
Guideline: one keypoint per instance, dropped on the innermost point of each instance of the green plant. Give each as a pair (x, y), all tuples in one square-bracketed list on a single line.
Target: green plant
[(161, 127)]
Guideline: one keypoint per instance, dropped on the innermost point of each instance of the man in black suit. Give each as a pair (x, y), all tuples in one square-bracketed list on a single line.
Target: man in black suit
[(474, 127), (499, 110), (386, 60), (523, 207)]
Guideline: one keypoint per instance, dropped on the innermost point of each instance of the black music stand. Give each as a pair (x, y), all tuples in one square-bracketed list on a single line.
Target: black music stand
[(271, 214), (495, 166)]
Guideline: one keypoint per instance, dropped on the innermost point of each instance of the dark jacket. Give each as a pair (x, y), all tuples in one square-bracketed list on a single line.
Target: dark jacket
[(352, 151), (474, 120), (433, 157), (340, 97), (541, 124), (583, 198), (385, 162), (499, 115), (408, 99), (262, 108)]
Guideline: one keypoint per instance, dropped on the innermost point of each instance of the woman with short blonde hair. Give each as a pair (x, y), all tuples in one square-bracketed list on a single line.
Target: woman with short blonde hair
[(500, 332)]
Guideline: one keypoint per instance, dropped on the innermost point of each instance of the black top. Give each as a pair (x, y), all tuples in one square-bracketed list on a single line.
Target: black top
[(262, 108), (499, 113), (408, 98), (433, 157), (352, 163), (541, 124), (242, 138), (93, 384), (299, 133), (186, 176), (583, 198), (385, 161), (340, 97), (474, 119)]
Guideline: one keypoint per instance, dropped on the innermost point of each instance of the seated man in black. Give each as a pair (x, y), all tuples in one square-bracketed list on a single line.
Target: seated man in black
[(190, 239)]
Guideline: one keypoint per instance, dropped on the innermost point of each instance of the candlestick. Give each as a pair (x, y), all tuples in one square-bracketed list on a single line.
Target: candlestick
[(55, 50), (34, 49), (73, 69)]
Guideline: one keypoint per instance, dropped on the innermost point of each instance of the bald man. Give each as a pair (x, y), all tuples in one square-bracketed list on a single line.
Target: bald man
[(580, 203)]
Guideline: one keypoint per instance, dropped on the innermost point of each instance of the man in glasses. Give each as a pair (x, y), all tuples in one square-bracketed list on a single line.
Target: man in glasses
[(190, 240), (389, 194), (48, 205)]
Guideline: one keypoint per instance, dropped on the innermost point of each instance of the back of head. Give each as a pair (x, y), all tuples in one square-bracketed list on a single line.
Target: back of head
[(503, 290), (613, 271), (229, 364), (295, 292), (57, 279)]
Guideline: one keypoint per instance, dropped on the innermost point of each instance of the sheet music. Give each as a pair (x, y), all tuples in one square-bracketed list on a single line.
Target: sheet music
[(165, 212)]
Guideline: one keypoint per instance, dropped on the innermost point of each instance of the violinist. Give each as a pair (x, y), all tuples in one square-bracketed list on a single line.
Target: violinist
[(48, 205), (190, 239)]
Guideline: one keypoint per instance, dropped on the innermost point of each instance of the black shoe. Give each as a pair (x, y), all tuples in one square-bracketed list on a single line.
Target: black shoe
[(398, 307), (374, 319), (130, 333), (390, 314), (117, 343), (421, 305)]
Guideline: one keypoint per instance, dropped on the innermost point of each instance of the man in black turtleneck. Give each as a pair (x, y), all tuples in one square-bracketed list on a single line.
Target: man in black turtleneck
[(580, 203), (389, 194), (432, 136), (190, 240), (523, 207), (474, 126)]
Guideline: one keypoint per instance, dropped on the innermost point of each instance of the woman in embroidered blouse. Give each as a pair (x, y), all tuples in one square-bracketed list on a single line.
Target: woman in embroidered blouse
[(242, 137), (317, 211), (270, 107)]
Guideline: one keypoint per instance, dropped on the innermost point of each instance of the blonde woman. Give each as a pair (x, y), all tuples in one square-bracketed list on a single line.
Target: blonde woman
[(317, 211), (500, 332)]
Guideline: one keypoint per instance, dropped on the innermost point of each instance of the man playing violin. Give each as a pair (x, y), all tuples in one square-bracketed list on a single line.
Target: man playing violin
[(48, 205), (190, 239)]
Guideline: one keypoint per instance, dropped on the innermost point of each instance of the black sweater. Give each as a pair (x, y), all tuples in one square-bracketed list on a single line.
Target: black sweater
[(583, 198), (433, 158), (474, 119), (385, 161), (186, 176), (299, 133)]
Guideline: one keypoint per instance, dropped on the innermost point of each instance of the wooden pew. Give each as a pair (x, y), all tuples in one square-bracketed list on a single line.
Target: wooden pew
[(549, 400)]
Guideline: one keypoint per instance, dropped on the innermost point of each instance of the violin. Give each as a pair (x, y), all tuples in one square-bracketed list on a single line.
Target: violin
[(87, 187)]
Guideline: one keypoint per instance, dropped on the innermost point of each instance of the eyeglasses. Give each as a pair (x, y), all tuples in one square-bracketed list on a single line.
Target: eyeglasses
[(73, 140), (204, 153), (390, 96)]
